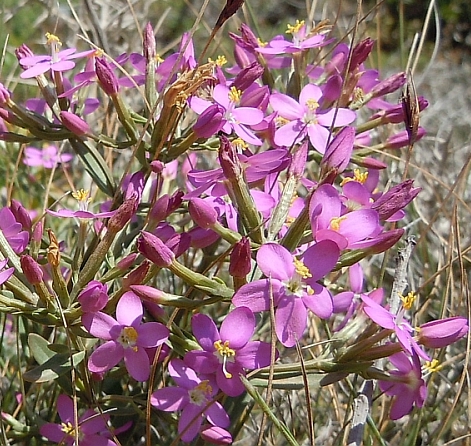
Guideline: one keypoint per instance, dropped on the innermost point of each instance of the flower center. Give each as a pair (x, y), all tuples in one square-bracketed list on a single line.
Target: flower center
[(200, 394), (301, 269), (224, 353), (128, 338), (83, 197), (310, 116), (68, 429), (358, 176), (220, 61), (234, 95), (294, 29), (408, 301)]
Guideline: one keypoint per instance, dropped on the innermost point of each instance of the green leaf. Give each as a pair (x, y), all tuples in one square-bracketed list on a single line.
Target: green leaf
[(52, 365), (95, 165)]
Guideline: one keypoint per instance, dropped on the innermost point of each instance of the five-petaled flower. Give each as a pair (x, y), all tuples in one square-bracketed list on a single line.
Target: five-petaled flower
[(126, 337), (228, 352), (194, 397), (306, 118)]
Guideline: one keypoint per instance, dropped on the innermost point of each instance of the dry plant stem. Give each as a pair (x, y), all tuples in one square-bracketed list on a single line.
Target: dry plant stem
[(400, 282), (307, 394), (361, 410)]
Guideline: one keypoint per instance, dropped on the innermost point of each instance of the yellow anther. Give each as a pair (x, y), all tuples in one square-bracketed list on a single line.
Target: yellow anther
[(408, 300), (261, 43), (128, 338), (293, 29), (199, 395), (225, 353), (301, 268), (234, 94), (220, 60), (158, 58), (82, 195), (239, 143), (433, 366), (280, 121), (53, 39), (312, 104), (335, 223), (68, 429)]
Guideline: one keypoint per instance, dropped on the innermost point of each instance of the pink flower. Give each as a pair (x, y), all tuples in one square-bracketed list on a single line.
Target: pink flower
[(229, 352), (46, 157), (293, 285), (7, 273), (194, 397), (408, 387), (126, 337), (306, 118), (58, 60), (227, 113), (397, 322), (92, 427), (12, 230)]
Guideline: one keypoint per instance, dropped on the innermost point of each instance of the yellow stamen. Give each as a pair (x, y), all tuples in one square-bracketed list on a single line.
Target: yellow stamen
[(301, 268), (408, 301), (220, 60), (312, 104), (234, 95), (358, 176), (68, 429), (293, 29), (225, 352), (82, 195), (158, 58), (128, 338), (335, 223), (433, 366), (53, 39), (261, 43), (239, 143), (280, 121)]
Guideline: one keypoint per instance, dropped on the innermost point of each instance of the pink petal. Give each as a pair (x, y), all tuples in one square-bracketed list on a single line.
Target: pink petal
[(99, 324), (105, 357), (205, 331), (290, 133), (137, 363), (129, 310), (290, 321), (275, 261), (238, 327), (169, 399), (286, 106)]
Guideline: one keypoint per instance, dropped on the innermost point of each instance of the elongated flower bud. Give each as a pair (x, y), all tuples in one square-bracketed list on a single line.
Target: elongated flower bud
[(74, 123), (106, 77), (441, 333), (202, 213), (155, 250), (240, 260), (31, 269)]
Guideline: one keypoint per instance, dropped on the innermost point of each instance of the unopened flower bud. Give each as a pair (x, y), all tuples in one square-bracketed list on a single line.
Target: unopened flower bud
[(157, 166), (402, 139), (338, 153), (228, 159), (360, 53), (93, 297), (202, 213), (106, 77), (148, 42), (395, 199), (21, 215), (155, 250), (441, 333), (389, 85), (240, 259), (74, 123), (136, 276), (209, 122), (31, 269), (4, 95), (247, 76), (127, 262), (123, 214)]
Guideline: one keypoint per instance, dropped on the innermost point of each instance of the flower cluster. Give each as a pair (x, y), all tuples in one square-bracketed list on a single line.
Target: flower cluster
[(246, 200)]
